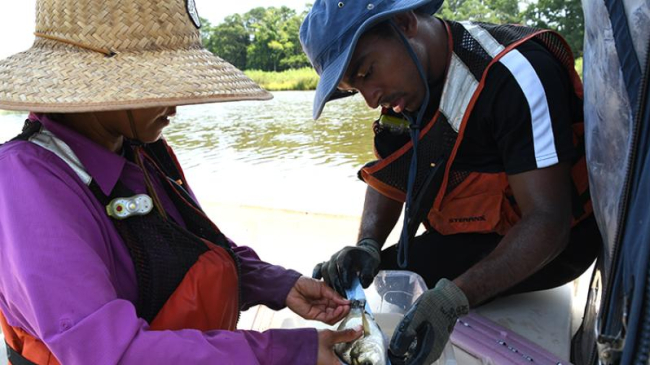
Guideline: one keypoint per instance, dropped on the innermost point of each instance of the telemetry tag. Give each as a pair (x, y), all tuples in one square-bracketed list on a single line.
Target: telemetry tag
[(356, 292), (122, 208)]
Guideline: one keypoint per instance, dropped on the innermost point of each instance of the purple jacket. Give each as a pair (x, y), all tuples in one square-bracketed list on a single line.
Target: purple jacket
[(66, 276)]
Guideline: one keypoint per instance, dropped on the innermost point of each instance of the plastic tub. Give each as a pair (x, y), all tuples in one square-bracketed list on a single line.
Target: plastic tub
[(391, 295)]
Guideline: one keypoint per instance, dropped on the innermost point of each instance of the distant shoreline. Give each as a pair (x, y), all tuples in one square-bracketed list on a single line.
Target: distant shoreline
[(301, 79)]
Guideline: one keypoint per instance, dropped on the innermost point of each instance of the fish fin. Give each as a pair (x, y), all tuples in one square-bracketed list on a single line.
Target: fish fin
[(366, 325)]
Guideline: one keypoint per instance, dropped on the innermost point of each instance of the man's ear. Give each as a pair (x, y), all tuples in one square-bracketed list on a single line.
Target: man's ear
[(407, 22)]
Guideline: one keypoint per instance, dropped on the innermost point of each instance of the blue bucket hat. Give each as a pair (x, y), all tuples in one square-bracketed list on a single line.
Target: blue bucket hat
[(332, 28)]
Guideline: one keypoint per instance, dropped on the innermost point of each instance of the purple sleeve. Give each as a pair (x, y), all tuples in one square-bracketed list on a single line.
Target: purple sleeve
[(58, 281), (261, 282)]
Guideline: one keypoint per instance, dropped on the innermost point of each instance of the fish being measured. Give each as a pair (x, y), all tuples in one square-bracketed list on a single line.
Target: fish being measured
[(371, 348)]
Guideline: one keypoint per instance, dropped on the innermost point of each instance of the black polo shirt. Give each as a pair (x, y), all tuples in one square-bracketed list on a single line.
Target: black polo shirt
[(521, 121), (523, 118)]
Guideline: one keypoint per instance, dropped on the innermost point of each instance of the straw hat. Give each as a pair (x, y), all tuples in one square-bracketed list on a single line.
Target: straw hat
[(93, 55)]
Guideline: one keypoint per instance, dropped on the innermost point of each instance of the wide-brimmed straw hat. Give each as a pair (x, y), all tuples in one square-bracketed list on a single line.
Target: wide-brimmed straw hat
[(94, 55)]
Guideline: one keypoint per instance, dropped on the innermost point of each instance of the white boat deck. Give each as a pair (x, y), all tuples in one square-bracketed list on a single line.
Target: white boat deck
[(546, 318)]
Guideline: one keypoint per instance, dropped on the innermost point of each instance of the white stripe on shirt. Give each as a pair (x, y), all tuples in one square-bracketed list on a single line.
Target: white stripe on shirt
[(531, 85)]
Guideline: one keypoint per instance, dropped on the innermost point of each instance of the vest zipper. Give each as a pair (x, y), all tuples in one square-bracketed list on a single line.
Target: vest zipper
[(239, 293)]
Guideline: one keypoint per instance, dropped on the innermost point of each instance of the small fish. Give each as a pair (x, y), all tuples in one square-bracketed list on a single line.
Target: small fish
[(371, 348)]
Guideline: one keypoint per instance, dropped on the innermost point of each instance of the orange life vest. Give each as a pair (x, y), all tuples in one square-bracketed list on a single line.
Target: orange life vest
[(200, 288), (473, 201)]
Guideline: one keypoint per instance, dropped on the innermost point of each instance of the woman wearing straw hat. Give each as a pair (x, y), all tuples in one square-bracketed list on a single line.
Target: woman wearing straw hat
[(105, 256)]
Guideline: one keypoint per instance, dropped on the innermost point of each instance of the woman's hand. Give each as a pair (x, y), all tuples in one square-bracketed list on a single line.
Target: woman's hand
[(313, 299), (327, 339)]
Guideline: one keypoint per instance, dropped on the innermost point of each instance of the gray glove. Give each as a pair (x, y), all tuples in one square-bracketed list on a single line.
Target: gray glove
[(340, 270), (429, 321)]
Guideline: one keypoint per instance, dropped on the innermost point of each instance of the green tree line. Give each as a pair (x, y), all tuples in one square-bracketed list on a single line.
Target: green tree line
[(262, 39), (266, 39)]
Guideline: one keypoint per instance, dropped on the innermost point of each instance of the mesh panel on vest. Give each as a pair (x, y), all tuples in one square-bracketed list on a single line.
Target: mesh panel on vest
[(437, 142), (556, 46), (455, 179), (507, 34), (162, 253), (469, 50), (194, 218), (192, 214)]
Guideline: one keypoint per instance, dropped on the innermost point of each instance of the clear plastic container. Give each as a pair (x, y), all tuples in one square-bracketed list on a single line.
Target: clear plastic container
[(390, 295)]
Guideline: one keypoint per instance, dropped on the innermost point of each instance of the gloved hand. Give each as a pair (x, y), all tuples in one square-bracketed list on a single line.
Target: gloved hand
[(339, 271), (429, 321)]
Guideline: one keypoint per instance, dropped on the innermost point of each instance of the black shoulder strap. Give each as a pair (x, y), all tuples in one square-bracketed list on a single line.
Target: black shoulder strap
[(158, 151), (29, 129)]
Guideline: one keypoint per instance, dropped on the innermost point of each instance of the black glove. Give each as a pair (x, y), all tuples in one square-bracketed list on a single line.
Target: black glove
[(339, 271), (430, 322)]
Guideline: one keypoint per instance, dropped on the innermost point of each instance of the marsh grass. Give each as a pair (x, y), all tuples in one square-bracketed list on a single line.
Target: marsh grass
[(295, 79)]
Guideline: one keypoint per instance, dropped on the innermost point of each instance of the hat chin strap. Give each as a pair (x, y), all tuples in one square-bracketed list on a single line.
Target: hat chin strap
[(134, 130), (414, 128), (137, 152)]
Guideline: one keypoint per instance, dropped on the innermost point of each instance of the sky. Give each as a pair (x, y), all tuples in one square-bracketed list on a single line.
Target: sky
[(17, 18)]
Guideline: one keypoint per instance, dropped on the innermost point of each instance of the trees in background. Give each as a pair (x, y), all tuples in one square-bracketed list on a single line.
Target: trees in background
[(267, 38), (489, 11), (565, 16), (229, 40), (261, 39)]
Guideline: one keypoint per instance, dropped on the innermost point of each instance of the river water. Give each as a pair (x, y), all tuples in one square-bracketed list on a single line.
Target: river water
[(269, 153)]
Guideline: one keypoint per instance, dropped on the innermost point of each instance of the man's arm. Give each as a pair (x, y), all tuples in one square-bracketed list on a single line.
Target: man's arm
[(380, 214), (544, 197)]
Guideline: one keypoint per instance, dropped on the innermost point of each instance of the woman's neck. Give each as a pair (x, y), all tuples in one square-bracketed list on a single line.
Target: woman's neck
[(88, 125)]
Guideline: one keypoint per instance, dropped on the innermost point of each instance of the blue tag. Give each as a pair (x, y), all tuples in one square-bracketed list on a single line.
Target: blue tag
[(356, 292)]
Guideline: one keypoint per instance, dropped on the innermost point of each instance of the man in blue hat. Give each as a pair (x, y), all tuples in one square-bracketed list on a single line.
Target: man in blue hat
[(480, 138)]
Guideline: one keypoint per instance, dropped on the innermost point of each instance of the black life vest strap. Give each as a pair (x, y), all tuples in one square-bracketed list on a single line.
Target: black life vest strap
[(159, 153), (15, 358), (29, 129)]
